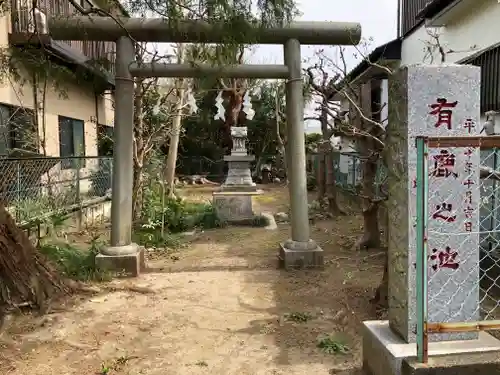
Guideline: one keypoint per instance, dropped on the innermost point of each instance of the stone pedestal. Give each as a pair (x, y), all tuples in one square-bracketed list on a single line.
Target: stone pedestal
[(234, 206), (386, 353), (298, 255), (434, 101), (129, 259), (239, 177), (233, 203)]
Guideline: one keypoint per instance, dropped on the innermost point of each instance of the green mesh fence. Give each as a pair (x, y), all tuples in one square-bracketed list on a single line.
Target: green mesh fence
[(349, 172)]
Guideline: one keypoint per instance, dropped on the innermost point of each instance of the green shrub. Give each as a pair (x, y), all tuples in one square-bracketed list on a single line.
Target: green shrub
[(311, 182), (260, 221), (73, 262), (154, 238), (175, 214)]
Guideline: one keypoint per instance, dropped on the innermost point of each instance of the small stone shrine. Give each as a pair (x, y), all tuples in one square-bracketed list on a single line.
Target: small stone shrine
[(435, 101), (239, 177), (234, 202)]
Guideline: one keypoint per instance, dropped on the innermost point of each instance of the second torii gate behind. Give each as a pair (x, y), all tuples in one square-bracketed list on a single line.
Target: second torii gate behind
[(300, 250)]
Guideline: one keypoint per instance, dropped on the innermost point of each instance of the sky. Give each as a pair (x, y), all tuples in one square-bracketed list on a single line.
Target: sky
[(377, 19)]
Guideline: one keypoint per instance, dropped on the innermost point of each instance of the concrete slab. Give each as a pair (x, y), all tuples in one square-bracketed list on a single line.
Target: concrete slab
[(486, 363), (384, 352), (130, 264)]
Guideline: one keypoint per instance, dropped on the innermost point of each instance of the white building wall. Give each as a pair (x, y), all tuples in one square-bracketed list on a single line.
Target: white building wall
[(469, 33)]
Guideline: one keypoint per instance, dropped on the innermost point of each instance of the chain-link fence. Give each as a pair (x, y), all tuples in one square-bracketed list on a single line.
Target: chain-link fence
[(34, 187), (212, 169), (457, 239), (349, 171)]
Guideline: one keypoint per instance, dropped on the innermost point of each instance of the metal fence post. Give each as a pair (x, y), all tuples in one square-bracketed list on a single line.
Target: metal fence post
[(18, 190), (494, 209), (78, 196), (354, 171), (421, 261)]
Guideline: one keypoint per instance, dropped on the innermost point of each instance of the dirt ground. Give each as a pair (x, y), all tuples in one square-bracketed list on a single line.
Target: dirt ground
[(218, 306)]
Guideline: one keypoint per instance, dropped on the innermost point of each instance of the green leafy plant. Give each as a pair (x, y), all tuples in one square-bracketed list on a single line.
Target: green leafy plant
[(331, 345), (260, 221), (176, 214), (311, 182), (298, 317), (73, 262), (104, 370), (153, 238)]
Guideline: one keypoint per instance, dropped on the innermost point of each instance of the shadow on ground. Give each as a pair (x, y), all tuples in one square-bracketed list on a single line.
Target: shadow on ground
[(336, 298), (219, 306)]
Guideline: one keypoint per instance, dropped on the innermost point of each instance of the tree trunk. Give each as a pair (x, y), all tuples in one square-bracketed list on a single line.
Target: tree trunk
[(281, 157), (321, 175), (326, 172), (371, 235), (281, 161), (232, 116), (369, 152), (138, 150), (171, 161), (137, 192), (174, 144), (381, 298), (25, 275), (323, 149)]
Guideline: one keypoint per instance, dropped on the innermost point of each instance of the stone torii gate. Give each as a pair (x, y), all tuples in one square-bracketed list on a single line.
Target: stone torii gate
[(300, 250)]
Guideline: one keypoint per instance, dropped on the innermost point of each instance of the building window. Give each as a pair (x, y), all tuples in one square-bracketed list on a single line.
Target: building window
[(71, 142), (18, 129)]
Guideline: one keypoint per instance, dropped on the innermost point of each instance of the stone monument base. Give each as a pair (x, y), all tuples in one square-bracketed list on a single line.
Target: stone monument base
[(385, 353), (131, 261), (239, 188), (234, 206), (296, 255)]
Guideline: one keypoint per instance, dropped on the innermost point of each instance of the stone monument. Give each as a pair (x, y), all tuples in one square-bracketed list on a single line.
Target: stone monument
[(440, 100), (234, 202)]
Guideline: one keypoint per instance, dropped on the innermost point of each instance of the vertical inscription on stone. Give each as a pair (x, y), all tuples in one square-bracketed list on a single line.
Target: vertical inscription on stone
[(438, 101)]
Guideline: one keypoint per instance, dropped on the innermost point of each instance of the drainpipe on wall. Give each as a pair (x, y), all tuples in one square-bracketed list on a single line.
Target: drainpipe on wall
[(96, 97), (97, 122), (35, 105)]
